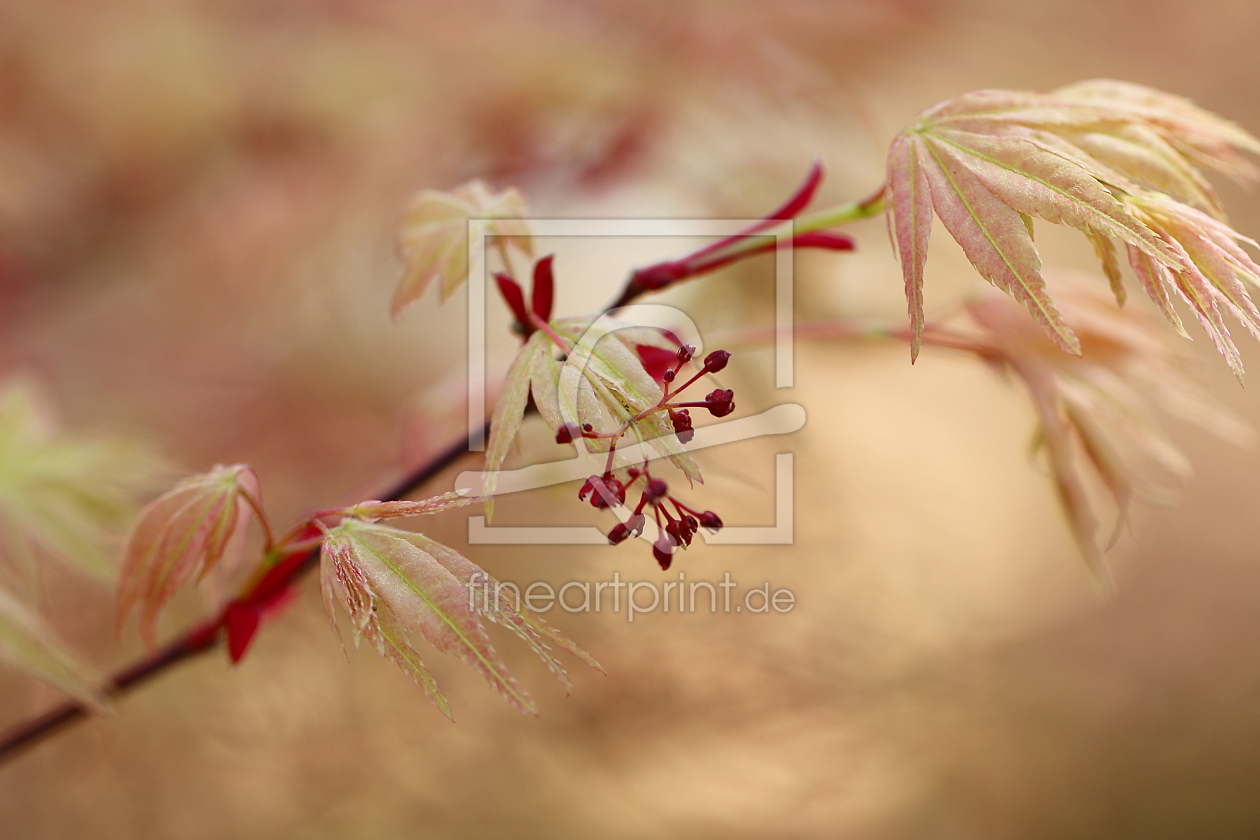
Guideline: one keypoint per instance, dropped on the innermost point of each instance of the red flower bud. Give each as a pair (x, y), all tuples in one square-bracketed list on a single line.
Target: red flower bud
[(663, 551), (636, 523), (711, 520), (567, 432), (607, 492), (656, 490), (716, 360), (681, 418), (685, 353), (618, 534), (720, 402)]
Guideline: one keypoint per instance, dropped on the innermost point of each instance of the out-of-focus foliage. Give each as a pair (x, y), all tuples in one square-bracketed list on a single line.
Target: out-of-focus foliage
[(63, 498), (27, 642), (1099, 413), (439, 227)]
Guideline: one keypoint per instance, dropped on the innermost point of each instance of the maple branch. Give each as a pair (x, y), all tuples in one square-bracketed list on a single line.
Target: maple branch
[(207, 635), (278, 579)]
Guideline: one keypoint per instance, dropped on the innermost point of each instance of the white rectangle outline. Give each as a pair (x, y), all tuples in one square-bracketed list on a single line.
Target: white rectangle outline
[(781, 533)]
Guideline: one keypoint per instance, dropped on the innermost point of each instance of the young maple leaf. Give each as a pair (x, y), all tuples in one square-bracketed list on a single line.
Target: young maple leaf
[(28, 643), (1214, 274), (1101, 410), (397, 586), (434, 236), (987, 162), (198, 525), (603, 384)]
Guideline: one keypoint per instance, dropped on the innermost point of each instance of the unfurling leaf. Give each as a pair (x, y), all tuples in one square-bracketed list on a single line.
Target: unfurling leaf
[(398, 587), (434, 237), (195, 527), (1099, 156), (26, 642)]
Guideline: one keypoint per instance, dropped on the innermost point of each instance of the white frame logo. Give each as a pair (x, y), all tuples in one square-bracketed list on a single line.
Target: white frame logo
[(784, 418)]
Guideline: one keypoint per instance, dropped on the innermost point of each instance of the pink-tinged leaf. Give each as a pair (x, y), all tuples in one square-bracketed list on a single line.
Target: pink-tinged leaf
[(1037, 181), (488, 599), (1195, 290), (1157, 281), (395, 645), (1176, 117), (197, 526), (342, 581), (1141, 154), (1107, 463), (541, 293), (1105, 250), (910, 214), (509, 411), (994, 238), (1099, 412), (406, 588), (373, 510), (1057, 435), (28, 643)]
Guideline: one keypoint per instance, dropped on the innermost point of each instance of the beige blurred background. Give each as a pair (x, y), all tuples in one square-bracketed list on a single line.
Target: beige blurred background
[(196, 210)]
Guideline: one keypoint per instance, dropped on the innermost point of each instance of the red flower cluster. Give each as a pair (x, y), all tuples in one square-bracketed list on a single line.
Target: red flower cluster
[(676, 528)]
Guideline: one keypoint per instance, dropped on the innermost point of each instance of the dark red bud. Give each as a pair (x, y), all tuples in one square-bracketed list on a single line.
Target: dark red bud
[(681, 418), (716, 360), (673, 529), (618, 534), (663, 551), (668, 375), (656, 490), (567, 432), (685, 353), (711, 520), (720, 402), (607, 492), (636, 523), (587, 487)]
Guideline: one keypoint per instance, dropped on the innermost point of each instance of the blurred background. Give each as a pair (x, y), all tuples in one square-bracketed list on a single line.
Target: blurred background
[(197, 208)]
